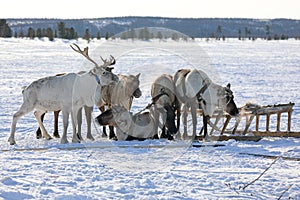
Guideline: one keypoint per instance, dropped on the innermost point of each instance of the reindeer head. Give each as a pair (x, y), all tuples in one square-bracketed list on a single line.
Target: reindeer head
[(117, 116), (216, 96), (134, 85), (225, 100), (230, 106), (102, 73)]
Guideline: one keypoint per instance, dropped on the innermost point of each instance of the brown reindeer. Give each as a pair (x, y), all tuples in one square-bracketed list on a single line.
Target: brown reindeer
[(168, 102), (121, 93)]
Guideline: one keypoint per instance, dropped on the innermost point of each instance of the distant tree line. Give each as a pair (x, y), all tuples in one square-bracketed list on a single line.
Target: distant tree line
[(39, 33), (5, 30), (64, 32), (246, 34), (146, 34)]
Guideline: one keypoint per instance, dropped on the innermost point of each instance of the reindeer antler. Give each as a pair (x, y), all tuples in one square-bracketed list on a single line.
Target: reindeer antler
[(106, 63), (85, 53)]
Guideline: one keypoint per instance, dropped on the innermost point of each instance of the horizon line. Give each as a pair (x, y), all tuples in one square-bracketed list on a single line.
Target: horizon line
[(128, 16)]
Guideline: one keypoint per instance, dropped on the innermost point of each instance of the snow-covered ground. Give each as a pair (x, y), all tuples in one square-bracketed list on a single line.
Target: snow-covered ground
[(262, 72)]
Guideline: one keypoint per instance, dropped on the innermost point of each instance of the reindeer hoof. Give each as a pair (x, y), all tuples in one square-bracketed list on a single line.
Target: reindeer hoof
[(11, 141), (79, 137), (114, 138), (38, 134), (90, 137), (64, 141), (76, 140), (56, 135)]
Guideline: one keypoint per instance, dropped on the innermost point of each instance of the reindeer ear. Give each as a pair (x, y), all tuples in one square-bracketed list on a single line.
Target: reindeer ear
[(228, 85), (138, 75), (94, 70)]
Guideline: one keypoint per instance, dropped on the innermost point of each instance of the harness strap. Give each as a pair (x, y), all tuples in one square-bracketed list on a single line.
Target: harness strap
[(96, 77), (201, 91), (154, 100)]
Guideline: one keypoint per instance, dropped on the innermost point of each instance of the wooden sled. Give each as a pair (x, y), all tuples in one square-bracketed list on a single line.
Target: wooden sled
[(248, 112)]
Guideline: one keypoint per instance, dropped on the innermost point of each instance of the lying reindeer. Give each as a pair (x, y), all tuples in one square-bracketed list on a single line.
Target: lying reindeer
[(121, 93), (194, 87), (169, 102), (68, 93), (141, 125)]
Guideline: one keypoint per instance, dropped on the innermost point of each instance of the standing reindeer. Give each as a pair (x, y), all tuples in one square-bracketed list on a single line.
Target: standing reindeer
[(194, 87), (166, 105), (88, 110), (68, 93)]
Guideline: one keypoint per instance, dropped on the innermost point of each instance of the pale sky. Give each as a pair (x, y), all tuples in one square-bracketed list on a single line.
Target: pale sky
[(265, 9)]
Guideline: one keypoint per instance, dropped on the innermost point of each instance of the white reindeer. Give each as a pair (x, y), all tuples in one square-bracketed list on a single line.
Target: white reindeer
[(88, 110), (68, 93), (194, 87)]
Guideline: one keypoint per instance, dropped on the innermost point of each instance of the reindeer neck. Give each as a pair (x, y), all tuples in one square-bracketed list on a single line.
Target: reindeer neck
[(96, 77)]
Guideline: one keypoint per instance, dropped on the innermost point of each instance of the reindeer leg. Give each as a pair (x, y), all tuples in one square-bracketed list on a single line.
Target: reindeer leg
[(163, 132), (178, 113), (38, 114), (205, 118), (112, 134), (184, 119), (88, 116), (38, 131), (104, 133), (215, 123), (55, 133), (194, 119), (156, 122), (22, 111), (65, 114), (178, 118), (200, 133), (74, 115), (79, 123)]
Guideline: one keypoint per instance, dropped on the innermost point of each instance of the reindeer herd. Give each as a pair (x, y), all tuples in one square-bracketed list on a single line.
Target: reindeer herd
[(72, 92)]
